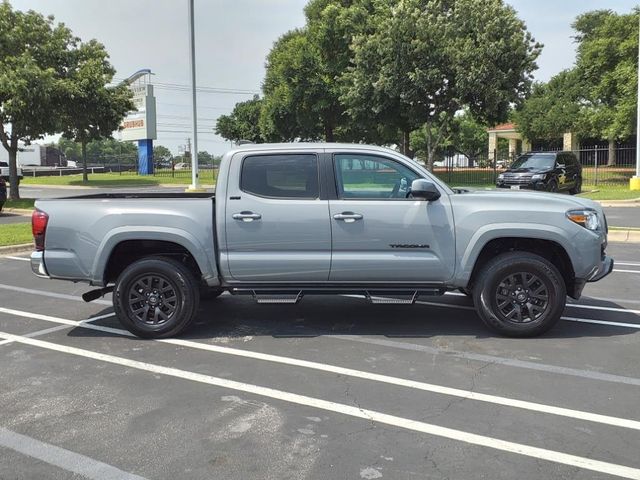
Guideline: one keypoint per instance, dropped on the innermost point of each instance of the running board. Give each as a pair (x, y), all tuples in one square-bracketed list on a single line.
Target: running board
[(276, 299), (378, 300)]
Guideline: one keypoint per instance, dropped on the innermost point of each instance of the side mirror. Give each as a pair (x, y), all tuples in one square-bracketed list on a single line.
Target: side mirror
[(421, 188)]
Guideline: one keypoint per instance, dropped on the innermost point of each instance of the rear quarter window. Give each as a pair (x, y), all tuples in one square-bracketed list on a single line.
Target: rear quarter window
[(280, 176)]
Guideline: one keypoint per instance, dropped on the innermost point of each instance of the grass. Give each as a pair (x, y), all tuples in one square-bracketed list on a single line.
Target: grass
[(24, 203), (15, 234), (125, 180), (604, 193)]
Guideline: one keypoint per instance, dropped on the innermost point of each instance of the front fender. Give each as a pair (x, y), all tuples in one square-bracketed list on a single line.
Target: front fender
[(490, 232)]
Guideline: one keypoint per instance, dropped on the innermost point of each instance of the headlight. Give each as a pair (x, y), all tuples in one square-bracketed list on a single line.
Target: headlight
[(538, 176), (501, 176), (586, 218)]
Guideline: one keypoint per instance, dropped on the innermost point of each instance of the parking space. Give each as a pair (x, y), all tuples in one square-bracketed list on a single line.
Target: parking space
[(330, 388)]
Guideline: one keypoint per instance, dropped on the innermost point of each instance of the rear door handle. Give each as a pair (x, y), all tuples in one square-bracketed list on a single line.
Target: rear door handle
[(348, 217), (246, 216)]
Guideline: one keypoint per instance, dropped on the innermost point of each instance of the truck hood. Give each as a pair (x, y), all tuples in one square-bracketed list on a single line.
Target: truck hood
[(527, 199)]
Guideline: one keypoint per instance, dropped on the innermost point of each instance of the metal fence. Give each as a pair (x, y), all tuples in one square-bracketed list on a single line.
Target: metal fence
[(176, 168), (597, 170)]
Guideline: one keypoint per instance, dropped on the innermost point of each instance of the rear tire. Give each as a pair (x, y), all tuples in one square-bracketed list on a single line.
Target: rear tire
[(156, 297), (519, 294)]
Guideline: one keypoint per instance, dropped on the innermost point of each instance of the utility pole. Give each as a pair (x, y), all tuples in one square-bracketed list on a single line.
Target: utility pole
[(634, 183), (195, 186)]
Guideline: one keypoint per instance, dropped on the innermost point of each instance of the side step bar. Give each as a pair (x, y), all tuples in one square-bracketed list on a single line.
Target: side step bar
[(378, 300), (273, 299), (387, 296)]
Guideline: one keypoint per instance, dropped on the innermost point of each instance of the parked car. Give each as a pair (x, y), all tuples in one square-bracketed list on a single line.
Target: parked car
[(182, 166), (4, 172), (548, 171), (294, 219), (3, 192)]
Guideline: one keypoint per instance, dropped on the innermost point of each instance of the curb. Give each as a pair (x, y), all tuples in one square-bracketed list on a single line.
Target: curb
[(23, 247), (624, 236), (19, 211)]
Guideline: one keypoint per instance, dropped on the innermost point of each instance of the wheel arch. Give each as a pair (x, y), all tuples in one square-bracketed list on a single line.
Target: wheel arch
[(123, 247)]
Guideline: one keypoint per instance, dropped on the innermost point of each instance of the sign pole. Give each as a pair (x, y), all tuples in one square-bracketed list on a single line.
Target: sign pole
[(634, 183), (195, 186)]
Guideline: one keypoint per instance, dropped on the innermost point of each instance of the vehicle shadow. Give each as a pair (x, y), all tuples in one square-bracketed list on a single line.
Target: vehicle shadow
[(234, 317)]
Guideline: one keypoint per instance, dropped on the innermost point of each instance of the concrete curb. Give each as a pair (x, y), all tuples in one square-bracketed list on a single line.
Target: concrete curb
[(19, 211), (23, 247), (624, 236)]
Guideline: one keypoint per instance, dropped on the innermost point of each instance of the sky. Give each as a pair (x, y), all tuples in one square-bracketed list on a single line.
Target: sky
[(233, 38)]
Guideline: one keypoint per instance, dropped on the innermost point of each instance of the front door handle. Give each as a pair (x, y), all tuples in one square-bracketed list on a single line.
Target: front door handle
[(348, 217), (246, 216)]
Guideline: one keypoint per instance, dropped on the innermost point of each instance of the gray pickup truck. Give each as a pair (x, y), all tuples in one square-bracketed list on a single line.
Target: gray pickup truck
[(295, 219)]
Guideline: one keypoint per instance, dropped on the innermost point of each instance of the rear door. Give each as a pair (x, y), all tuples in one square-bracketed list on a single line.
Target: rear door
[(380, 235), (277, 227)]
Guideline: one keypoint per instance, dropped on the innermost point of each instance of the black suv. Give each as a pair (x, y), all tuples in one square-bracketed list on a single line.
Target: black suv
[(548, 171)]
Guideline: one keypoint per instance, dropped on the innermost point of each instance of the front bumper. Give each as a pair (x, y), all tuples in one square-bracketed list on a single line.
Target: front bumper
[(602, 270), (37, 265), (537, 185)]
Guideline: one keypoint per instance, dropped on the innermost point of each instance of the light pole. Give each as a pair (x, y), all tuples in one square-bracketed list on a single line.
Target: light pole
[(195, 186), (634, 183)]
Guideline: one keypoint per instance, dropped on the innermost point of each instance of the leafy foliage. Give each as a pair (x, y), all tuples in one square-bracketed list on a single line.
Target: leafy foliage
[(92, 110), (428, 59), (33, 54), (242, 123), (552, 109)]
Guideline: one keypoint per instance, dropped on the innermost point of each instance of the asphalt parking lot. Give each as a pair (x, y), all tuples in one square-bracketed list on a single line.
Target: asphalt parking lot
[(331, 388)]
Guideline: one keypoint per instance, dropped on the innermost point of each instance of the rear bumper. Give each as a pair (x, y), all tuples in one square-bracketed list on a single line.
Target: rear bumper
[(37, 265), (602, 270)]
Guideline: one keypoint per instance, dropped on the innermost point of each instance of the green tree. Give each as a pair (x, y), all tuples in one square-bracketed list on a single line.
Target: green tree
[(428, 59), (243, 123), (552, 108), (93, 109), (33, 53), (304, 78), (293, 90), (162, 155), (607, 64)]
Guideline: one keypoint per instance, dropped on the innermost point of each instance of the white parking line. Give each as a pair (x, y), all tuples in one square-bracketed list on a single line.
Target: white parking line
[(628, 264), (357, 412), (44, 293), (65, 459), (626, 271), (16, 258), (416, 385)]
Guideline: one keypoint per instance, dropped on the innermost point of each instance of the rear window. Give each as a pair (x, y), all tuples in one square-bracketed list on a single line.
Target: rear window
[(280, 176)]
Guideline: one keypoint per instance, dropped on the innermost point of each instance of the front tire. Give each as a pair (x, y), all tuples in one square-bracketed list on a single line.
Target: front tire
[(520, 294), (156, 297), (578, 187), (552, 186)]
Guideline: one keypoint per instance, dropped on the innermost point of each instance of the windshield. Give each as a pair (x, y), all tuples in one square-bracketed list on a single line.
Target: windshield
[(535, 160)]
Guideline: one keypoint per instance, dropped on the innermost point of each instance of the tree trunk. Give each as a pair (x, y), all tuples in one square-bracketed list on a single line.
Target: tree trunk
[(612, 153), (405, 146), (13, 172), (430, 159), (328, 133), (85, 176)]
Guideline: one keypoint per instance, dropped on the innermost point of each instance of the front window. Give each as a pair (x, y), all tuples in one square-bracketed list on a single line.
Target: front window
[(372, 177), (535, 161)]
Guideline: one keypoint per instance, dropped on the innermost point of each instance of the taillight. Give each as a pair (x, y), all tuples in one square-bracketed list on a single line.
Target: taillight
[(39, 221)]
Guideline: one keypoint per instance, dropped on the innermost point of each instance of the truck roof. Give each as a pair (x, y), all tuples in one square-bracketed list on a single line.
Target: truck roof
[(309, 145)]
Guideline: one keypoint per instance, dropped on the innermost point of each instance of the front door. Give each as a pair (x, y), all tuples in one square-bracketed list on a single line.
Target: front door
[(380, 235), (277, 228)]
